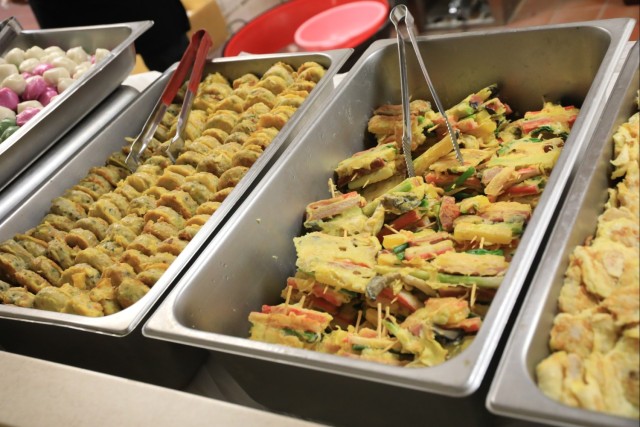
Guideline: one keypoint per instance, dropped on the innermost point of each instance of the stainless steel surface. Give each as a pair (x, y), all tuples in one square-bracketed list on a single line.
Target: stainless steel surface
[(401, 12), (40, 133), (514, 391), (41, 393), (28, 212), (247, 262)]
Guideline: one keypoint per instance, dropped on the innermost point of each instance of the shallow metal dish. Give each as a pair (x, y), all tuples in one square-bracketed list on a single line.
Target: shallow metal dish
[(514, 391), (247, 263), (19, 150), (29, 210)]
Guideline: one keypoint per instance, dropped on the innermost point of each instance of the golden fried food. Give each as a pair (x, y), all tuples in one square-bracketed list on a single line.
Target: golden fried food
[(191, 158), (595, 338), (247, 156), (245, 80), (31, 280), (47, 269), (81, 238), (130, 291), (18, 296), (216, 163), (34, 246), (236, 137), (222, 119), (80, 276), (274, 84), (208, 208), (232, 102), (232, 176), (259, 95), (110, 237)]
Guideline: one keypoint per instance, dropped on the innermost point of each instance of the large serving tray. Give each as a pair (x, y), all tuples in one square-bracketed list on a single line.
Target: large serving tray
[(114, 344), (514, 391), (28, 212), (31, 140), (247, 263)]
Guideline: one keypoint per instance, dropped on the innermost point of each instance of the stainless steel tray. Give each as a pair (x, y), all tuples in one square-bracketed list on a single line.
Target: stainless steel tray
[(27, 211), (247, 263), (32, 139), (514, 391)]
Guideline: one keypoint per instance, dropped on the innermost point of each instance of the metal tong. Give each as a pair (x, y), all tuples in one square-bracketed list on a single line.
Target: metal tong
[(9, 29), (398, 14), (196, 55)]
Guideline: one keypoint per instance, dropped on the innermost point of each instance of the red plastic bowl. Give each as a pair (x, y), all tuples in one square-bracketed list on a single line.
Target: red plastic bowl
[(341, 26), (274, 30)]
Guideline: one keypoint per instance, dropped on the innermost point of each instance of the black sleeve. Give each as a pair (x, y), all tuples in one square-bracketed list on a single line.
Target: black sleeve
[(160, 46)]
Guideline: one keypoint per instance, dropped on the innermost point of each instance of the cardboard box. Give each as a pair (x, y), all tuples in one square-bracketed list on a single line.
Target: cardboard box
[(202, 14), (206, 14)]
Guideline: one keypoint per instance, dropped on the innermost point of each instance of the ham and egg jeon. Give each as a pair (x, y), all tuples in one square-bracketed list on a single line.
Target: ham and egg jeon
[(403, 270)]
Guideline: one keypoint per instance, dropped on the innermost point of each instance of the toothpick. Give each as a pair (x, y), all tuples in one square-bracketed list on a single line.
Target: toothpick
[(378, 329), (472, 300), (358, 320), (286, 301), (389, 347), (391, 228), (332, 188)]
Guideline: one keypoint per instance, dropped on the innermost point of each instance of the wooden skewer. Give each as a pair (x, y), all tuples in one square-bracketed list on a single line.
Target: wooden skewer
[(332, 188), (358, 320), (472, 300), (391, 228), (379, 320), (286, 301)]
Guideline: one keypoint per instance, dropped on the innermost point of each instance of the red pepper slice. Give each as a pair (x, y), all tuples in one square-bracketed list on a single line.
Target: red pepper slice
[(472, 324), (402, 222), (529, 125), (523, 190)]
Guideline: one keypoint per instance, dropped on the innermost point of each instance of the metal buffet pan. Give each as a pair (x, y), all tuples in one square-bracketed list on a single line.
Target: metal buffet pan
[(57, 332), (247, 263), (32, 139), (514, 391)]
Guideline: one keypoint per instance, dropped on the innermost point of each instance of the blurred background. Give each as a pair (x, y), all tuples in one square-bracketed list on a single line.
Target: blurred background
[(268, 26)]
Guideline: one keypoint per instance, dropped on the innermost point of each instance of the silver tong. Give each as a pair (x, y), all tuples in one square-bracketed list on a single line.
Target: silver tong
[(195, 55), (398, 14), (9, 29)]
